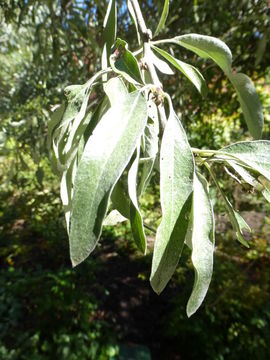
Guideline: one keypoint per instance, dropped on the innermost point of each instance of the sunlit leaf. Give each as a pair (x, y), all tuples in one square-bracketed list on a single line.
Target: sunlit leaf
[(134, 19), (124, 63), (150, 150), (176, 184), (115, 90), (120, 198), (202, 240), (136, 220), (109, 32), (207, 47), (113, 218), (250, 103), (106, 154), (238, 223), (161, 65), (163, 17), (189, 71), (255, 154)]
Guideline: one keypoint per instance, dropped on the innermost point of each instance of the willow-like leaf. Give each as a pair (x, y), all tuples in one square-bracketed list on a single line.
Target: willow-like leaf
[(250, 103), (189, 71), (202, 240), (136, 220), (163, 17), (207, 47), (176, 184), (254, 154), (124, 63), (134, 19), (109, 32), (106, 154), (115, 90)]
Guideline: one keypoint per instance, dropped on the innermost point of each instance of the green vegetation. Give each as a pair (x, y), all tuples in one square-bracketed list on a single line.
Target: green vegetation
[(105, 308)]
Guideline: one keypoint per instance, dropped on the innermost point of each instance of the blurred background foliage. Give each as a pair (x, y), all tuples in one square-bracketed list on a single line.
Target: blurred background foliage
[(105, 309)]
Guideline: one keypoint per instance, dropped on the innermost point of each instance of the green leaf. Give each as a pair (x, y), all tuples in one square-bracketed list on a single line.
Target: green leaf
[(236, 219), (134, 19), (163, 17), (124, 63), (250, 103), (120, 198), (106, 154), (202, 243), (161, 65), (189, 71), (113, 218), (136, 220), (116, 90), (176, 184), (66, 134), (109, 32), (207, 47), (150, 151), (218, 51), (66, 190), (247, 177), (254, 154)]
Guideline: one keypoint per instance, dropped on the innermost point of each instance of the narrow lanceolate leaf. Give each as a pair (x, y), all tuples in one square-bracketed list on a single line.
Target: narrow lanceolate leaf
[(113, 218), (255, 154), (163, 17), (202, 240), (136, 220), (106, 154), (109, 32), (74, 120), (207, 47), (134, 19), (66, 191), (124, 63), (150, 150), (176, 184), (250, 103), (261, 184), (189, 71), (238, 223), (120, 198), (161, 65), (116, 90), (218, 51), (244, 173)]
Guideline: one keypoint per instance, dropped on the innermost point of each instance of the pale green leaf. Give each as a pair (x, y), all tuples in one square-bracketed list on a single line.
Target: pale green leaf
[(113, 218), (120, 198), (150, 150), (236, 219), (255, 154), (116, 90), (163, 17), (106, 154), (176, 184), (124, 63), (134, 19), (207, 47), (161, 65), (109, 32), (189, 71), (250, 103), (202, 240), (136, 220), (244, 173)]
